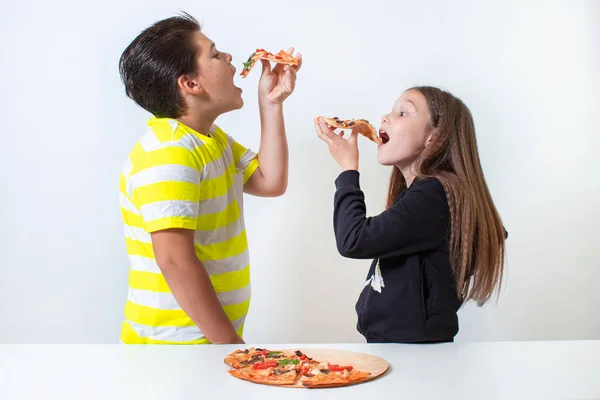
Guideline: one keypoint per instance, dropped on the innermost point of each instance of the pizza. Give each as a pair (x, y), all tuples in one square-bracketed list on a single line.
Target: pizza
[(289, 368), (246, 357), (315, 373), (362, 126), (280, 58)]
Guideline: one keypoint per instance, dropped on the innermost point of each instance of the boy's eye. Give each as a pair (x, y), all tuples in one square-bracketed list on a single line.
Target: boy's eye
[(403, 113)]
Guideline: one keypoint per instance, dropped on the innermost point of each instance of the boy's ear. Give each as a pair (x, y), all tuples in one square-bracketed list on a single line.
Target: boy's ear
[(190, 84)]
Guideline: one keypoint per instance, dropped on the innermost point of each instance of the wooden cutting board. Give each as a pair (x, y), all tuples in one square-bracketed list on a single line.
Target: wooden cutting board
[(377, 366)]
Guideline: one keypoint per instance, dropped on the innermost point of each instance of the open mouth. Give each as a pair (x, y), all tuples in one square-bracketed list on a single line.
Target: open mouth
[(384, 136)]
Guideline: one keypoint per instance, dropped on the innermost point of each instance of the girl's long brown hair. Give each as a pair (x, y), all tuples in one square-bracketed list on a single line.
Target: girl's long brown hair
[(477, 234)]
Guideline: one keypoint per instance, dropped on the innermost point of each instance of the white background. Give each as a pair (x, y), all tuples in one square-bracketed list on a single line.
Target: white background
[(529, 73)]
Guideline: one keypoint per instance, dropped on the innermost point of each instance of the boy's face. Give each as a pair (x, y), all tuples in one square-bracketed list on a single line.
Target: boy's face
[(215, 76)]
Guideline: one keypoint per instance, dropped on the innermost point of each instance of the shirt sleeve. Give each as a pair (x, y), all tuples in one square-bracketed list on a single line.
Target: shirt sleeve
[(165, 188), (246, 161), (419, 221)]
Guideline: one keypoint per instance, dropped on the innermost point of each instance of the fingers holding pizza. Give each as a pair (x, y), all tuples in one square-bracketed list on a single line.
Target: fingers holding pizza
[(345, 152)]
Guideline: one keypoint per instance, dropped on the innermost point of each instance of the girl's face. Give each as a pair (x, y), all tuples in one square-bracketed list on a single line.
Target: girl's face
[(405, 131)]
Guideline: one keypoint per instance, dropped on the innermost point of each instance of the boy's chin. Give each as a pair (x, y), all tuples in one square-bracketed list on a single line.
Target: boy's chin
[(236, 105), (239, 101)]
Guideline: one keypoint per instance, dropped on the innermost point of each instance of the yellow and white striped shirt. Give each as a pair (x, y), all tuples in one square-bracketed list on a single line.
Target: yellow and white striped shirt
[(178, 178)]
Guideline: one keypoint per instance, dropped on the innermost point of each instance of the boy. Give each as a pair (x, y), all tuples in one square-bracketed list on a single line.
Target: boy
[(181, 188)]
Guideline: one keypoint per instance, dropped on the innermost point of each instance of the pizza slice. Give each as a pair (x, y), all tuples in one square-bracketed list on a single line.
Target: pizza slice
[(362, 126), (280, 58), (282, 371), (247, 357), (315, 374)]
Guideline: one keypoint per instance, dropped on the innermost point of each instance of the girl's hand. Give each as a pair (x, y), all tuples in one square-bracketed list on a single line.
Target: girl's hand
[(345, 152)]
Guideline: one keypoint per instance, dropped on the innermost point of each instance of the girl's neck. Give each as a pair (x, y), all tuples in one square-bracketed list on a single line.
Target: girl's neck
[(407, 173)]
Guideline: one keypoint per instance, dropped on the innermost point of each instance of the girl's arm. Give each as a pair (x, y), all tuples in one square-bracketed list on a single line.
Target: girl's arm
[(419, 221)]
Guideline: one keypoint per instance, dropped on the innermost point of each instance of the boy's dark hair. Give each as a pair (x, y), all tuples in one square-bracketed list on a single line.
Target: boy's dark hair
[(150, 65)]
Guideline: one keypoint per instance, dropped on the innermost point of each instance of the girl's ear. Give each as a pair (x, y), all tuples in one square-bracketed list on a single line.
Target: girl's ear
[(190, 85), (430, 137)]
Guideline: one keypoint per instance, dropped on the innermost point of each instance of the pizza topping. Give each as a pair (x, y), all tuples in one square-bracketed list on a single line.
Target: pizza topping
[(265, 365), (289, 361), (335, 367), (280, 371), (302, 356), (324, 371), (253, 359)]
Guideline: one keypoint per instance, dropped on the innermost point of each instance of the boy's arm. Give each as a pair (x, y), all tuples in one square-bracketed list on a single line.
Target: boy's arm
[(275, 85), (191, 285), (271, 177)]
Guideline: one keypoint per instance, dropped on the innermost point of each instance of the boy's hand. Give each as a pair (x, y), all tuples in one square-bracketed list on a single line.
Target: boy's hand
[(277, 84)]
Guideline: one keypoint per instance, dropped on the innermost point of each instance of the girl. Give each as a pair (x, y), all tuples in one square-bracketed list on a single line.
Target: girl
[(440, 241)]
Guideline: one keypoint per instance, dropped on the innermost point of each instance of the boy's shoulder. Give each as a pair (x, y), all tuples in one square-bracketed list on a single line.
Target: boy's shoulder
[(165, 132), (165, 141)]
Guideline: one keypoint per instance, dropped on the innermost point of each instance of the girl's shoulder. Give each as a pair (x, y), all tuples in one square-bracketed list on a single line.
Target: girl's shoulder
[(431, 188), (429, 185)]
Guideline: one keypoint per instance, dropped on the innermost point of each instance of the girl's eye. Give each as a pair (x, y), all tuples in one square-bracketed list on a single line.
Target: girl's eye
[(403, 113)]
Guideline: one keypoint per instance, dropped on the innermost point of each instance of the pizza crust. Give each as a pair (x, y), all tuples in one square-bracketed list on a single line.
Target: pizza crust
[(247, 374), (331, 380)]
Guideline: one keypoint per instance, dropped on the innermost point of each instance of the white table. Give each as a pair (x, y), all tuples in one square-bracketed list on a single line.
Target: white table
[(507, 370)]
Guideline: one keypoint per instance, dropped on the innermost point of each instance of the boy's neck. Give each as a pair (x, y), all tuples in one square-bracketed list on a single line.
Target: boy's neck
[(200, 123)]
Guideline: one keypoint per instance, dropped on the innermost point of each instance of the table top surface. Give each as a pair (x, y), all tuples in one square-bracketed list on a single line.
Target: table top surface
[(486, 370)]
